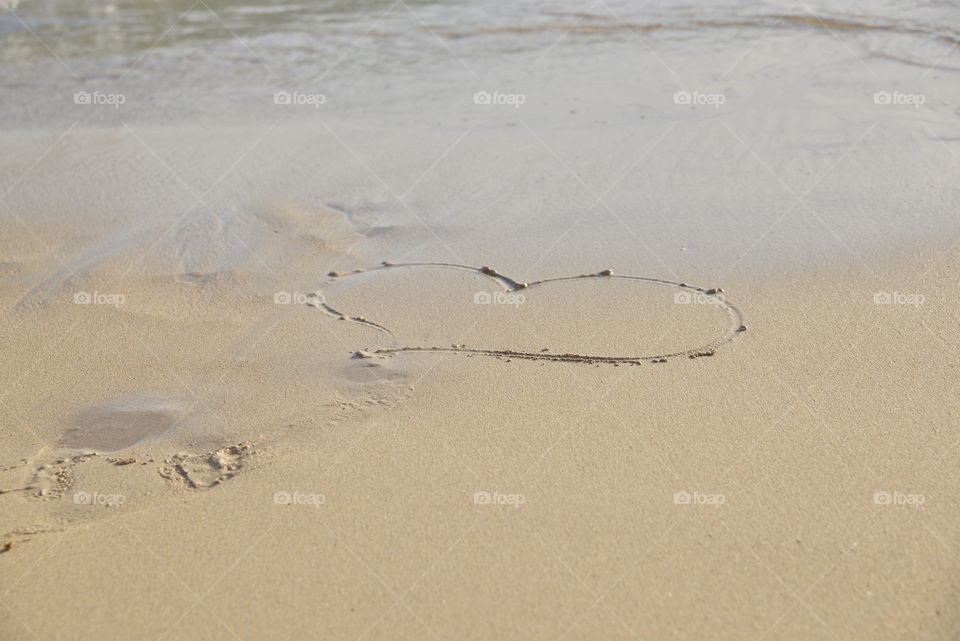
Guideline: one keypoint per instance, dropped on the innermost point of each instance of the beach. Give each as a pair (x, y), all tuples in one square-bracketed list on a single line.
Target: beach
[(441, 320)]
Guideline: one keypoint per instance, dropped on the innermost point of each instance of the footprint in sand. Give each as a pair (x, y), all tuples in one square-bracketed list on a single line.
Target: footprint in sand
[(203, 471), (590, 318), (53, 479), (124, 423), (72, 484)]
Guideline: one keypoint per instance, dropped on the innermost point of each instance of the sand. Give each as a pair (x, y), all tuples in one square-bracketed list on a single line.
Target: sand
[(599, 366), (729, 496)]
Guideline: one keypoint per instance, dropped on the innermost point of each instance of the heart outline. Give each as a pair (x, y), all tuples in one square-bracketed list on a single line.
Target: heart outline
[(511, 285)]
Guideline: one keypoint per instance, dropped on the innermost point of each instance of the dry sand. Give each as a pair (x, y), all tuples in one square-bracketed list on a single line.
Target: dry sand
[(388, 463)]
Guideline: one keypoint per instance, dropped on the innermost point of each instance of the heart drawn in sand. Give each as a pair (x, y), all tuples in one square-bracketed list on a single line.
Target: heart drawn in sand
[(590, 318)]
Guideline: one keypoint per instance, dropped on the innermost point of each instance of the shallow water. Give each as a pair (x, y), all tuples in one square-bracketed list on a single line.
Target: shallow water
[(182, 58), (74, 30)]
